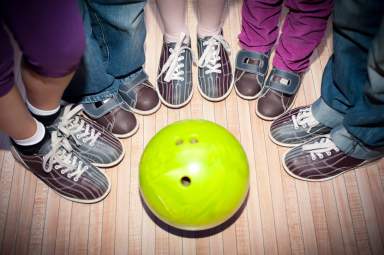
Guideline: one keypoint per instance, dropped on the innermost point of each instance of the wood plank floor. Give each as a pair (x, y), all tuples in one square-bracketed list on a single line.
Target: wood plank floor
[(282, 216)]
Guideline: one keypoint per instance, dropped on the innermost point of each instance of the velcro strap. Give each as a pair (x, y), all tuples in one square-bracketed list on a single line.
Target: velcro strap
[(131, 81), (290, 88), (97, 112), (260, 69)]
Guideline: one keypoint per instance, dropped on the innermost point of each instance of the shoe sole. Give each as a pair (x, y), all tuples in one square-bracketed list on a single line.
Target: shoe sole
[(368, 163), (82, 201), (173, 106), (248, 98), (217, 99), (129, 134), (145, 113)]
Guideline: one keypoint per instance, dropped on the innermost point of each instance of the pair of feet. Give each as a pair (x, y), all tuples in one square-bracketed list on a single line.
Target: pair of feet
[(275, 94), (68, 157), (314, 156), (174, 85), (174, 82)]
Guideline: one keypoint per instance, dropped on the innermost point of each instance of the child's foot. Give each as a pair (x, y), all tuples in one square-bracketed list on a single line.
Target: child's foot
[(114, 115), (319, 160), (278, 94), (251, 70), (215, 73), (65, 171), (90, 140), (296, 127), (142, 97), (174, 82)]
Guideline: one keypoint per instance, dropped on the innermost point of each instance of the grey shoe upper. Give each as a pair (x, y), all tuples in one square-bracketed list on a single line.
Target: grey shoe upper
[(215, 72), (174, 81), (296, 127), (92, 141)]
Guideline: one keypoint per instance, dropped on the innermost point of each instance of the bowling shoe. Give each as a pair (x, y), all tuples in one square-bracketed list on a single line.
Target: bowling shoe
[(140, 95), (296, 127), (215, 72), (319, 160), (251, 70), (55, 162), (174, 81), (114, 115), (93, 142), (278, 94)]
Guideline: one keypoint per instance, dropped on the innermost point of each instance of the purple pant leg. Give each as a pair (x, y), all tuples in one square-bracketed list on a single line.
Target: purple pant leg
[(6, 63), (260, 24), (49, 33), (302, 32)]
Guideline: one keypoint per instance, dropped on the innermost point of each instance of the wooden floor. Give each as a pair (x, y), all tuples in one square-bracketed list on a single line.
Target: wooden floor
[(283, 215)]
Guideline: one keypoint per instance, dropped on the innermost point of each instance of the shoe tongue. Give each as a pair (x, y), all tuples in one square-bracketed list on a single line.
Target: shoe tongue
[(186, 43), (46, 144), (205, 38), (55, 124)]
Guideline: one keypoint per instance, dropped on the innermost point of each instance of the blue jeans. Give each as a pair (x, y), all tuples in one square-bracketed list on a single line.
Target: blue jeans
[(115, 34), (352, 93)]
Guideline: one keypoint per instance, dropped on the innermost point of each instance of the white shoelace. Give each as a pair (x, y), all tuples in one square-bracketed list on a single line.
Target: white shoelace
[(321, 149), (211, 54), (304, 119), (61, 156), (71, 125), (173, 67)]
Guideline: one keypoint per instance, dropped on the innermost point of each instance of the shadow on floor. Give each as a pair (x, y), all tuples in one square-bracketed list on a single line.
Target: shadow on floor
[(195, 234)]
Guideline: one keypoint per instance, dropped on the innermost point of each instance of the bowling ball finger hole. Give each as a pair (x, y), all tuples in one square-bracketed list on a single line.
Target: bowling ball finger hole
[(186, 181), (179, 142), (193, 140)]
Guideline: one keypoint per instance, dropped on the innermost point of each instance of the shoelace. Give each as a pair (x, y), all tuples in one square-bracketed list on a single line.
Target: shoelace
[(71, 125), (173, 67), (211, 54), (304, 119), (321, 148), (61, 156)]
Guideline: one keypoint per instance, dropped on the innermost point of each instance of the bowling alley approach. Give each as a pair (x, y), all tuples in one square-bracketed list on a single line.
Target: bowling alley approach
[(191, 127)]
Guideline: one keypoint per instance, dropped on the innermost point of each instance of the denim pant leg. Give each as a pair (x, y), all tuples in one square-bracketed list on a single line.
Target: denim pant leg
[(115, 31), (91, 82), (352, 100)]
